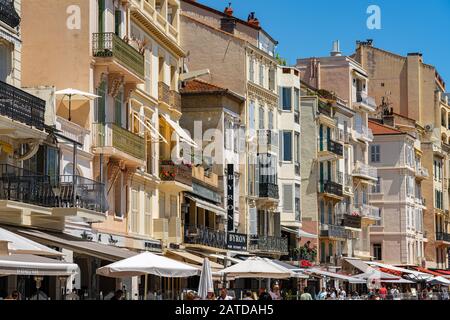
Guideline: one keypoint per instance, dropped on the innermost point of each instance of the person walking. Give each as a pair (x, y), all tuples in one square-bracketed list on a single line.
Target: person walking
[(383, 292), (275, 293), (342, 293), (322, 295), (305, 295)]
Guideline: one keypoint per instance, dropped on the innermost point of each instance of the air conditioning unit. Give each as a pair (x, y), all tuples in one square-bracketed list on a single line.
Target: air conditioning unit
[(175, 232), (429, 128), (161, 229)]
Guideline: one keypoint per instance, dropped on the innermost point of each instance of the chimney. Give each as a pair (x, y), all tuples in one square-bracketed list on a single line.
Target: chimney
[(336, 50), (253, 20), (229, 10)]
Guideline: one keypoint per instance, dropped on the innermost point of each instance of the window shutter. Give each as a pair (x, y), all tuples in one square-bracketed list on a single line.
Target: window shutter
[(242, 139), (287, 198), (253, 221), (257, 178), (280, 98), (276, 224)]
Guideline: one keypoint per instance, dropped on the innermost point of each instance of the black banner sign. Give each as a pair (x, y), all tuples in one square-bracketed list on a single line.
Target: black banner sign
[(230, 197), (237, 241)]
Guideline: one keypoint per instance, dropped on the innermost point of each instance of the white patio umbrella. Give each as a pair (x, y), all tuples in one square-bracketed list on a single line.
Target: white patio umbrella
[(147, 263), (75, 94), (21, 245), (439, 280), (206, 280), (256, 267)]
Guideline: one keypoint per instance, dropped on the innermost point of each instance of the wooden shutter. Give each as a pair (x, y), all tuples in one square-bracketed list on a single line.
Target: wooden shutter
[(287, 198), (253, 221)]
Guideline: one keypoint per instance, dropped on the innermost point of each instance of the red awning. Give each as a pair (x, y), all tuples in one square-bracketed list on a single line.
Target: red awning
[(390, 271), (434, 273), (446, 272)]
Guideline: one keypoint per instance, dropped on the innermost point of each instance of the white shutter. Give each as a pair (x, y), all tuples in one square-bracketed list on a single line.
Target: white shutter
[(287, 198), (253, 221)]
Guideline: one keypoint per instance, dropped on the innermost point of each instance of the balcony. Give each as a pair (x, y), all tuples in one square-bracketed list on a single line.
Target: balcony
[(443, 236), (267, 141), (115, 141), (342, 136), (368, 211), (174, 175), (268, 244), (118, 55), (331, 188), (365, 171), (65, 195), (329, 149), (8, 13), (363, 133), (201, 235), (168, 98), (351, 221), (268, 190), (75, 132), (333, 231), (422, 173), (21, 106), (366, 102)]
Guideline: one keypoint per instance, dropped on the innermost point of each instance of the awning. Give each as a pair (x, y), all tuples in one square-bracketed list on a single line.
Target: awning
[(72, 243), (334, 275), (434, 273), (190, 258), (415, 274), (21, 245), (222, 257), (207, 205), (180, 131), (358, 264), (27, 264), (439, 280), (147, 125), (369, 272), (299, 233), (298, 273)]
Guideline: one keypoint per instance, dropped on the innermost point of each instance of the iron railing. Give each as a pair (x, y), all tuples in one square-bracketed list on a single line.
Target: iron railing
[(272, 244), (8, 13), (18, 184), (443, 236), (106, 45), (333, 231), (268, 190), (21, 106), (351, 221), (169, 171), (202, 235), (112, 135), (368, 211), (331, 187), (331, 146)]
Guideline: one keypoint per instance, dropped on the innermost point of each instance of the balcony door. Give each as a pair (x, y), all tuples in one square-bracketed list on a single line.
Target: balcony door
[(101, 16), (100, 112)]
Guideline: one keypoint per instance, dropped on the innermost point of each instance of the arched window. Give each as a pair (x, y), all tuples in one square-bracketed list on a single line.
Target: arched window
[(68, 170)]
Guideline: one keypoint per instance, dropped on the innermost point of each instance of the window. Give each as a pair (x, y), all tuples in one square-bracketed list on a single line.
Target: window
[(134, 221), (261, 118), (322, 212), (377, 251), (322, 252), (297, 147), (286, 96), (101, 16), (252, 70), (287, 198), (173, 206), (297, 203), (100, 103), (261, 74), (5, 61), (251, 115), (375, 153), (118, 23), (118, 109), (148, 220), (377, 187), (162, 205), (272, 79), (118, 196), (148, 71), (270, 120), (287, 146), (296, 105)]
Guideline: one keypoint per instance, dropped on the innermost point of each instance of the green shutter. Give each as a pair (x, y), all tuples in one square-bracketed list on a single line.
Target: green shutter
[(101, 16), (101, 103)]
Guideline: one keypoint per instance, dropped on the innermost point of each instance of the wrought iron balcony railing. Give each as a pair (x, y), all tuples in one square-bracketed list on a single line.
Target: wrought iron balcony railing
[(368, 211), (21, 106), (268, 244), (331, 187), (109, 45), (333, 231), (202, 235), (364, 133), (8, 13), (443, 236), (18, 184), (170, 171), (267, 140), (351, 221), (268, 190), (112, 135), (331, 146)]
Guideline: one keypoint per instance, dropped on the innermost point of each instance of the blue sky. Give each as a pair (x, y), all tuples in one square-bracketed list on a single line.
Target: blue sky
[(307, 28)]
